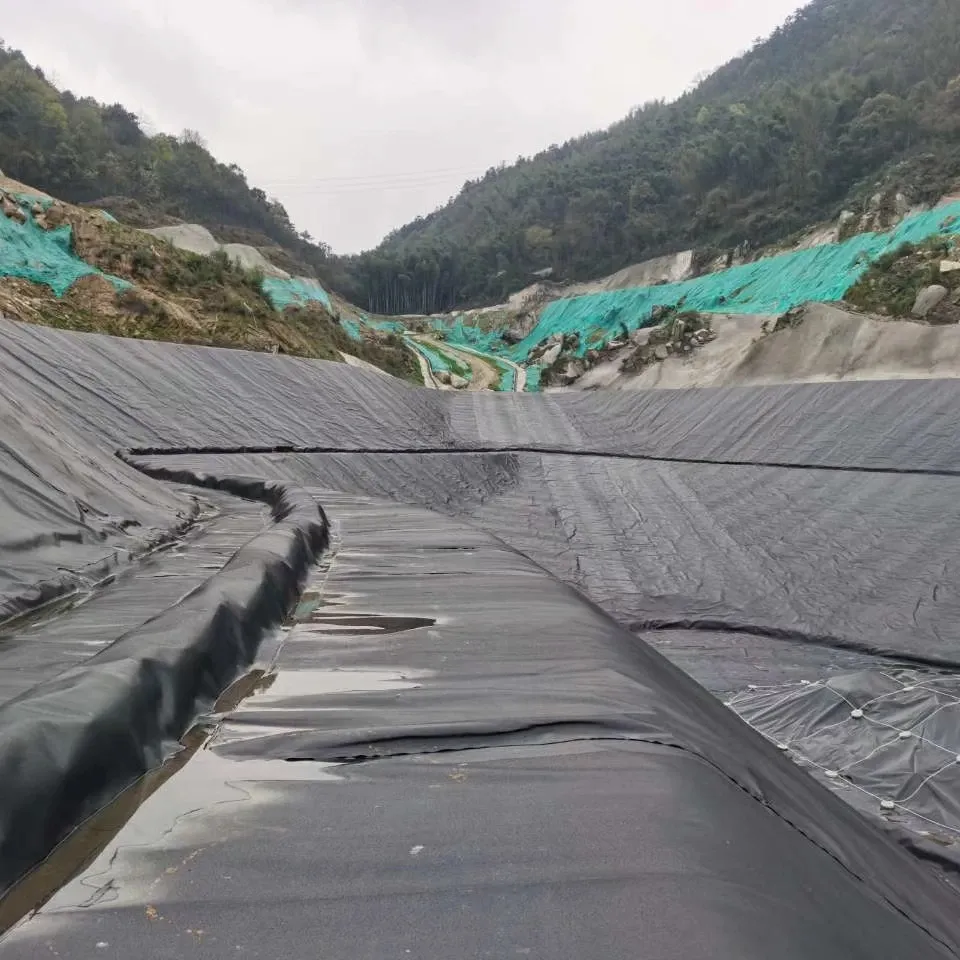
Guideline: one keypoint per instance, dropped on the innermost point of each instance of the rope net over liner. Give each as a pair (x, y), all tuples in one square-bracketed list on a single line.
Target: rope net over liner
[(888, 740)]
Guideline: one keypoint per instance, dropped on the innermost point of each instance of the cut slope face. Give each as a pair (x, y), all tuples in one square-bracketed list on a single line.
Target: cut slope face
[(822, 343), (198, 239), (188, 236)]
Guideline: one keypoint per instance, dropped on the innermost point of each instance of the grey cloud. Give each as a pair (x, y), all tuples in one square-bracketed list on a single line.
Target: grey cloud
[(155, 62), (361, 114), (494, 29)]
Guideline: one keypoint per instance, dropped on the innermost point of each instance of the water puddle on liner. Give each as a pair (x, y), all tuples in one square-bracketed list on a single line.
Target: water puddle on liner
[(314, 613), (107, 857), (131, 855), (110, 859), (292, 684)]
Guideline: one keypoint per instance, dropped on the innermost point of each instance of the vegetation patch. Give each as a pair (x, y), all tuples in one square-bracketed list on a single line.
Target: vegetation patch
[(99, 155), (458, 367), (850, 100), (384, 350), (891, 285)]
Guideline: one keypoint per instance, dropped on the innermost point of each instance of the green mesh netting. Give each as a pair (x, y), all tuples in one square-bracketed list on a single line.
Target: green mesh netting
[(32, 200), (286, 291), (439, 363), (352, 328), (464, 334), (533, 378), (772, 285), (386, 326), (508, 379), (43, 256), (356, 325)]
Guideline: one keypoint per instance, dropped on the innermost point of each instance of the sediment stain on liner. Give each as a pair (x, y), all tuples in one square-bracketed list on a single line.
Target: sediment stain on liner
[(347, 624), (293, 685), (165, 817)]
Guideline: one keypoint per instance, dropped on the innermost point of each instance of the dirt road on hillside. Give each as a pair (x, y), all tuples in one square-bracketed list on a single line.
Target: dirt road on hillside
[(485, 375)]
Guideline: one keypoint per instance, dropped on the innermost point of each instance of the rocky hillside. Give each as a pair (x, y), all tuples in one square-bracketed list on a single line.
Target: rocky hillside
[(77, 268)]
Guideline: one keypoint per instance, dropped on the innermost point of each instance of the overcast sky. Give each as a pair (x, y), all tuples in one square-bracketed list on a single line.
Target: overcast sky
[(360, 114)]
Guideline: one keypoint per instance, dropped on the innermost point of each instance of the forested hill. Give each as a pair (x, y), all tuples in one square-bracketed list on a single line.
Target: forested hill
[(846, 94), (86, 152)]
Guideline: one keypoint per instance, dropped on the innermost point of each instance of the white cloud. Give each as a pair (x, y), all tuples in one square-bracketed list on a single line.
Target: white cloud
[(361, 114)]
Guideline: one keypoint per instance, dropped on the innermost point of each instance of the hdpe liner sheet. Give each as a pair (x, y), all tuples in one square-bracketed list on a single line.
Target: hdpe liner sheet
[(70, 512), (826, 569), (746, 577), (69, 401), (497, 769), (133, 394), (543, 467)]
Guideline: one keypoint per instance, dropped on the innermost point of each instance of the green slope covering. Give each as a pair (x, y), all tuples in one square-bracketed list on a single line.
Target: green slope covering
[(295, 291), (769, 286), (29, 252)]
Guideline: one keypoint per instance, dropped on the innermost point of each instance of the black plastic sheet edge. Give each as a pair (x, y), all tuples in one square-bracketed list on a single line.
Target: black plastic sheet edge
[(539, 449), (71, 744)]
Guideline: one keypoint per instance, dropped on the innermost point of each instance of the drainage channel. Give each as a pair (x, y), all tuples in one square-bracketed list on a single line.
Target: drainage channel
[(79, 856)]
